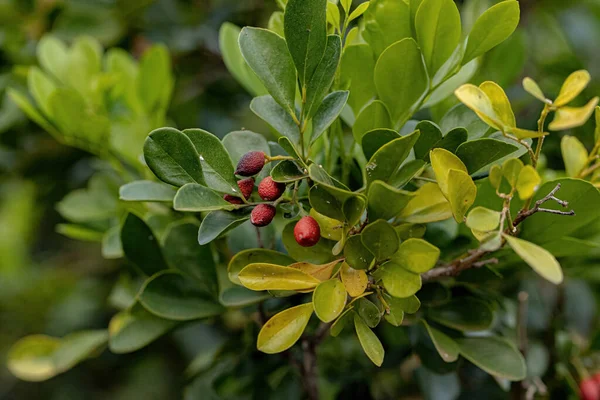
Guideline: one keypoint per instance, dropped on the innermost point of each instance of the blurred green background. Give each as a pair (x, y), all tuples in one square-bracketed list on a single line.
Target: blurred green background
[(54, 285)]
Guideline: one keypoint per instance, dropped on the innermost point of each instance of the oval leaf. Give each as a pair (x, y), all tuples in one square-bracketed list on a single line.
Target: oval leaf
[(284, 329)]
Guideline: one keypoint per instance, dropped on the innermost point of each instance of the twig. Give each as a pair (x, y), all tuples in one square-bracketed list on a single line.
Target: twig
[(523, 214)]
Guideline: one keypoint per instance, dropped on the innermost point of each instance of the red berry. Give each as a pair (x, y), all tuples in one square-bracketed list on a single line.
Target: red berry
[(270, 190), (251, 163), (262, 215), (246, 187), (307, 232), (589, 389), (596, 378)]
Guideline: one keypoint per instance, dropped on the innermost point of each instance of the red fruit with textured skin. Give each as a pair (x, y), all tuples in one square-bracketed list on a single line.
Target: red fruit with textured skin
[(251, 163), (246, 187), (262, 215), (589, 389), (307, 232), (596, 378), (270, 190)]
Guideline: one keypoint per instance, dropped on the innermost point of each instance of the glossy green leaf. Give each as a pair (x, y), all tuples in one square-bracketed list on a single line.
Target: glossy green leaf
[(495, 356), (451, 141), (572, 87), (147, 191), (409, 304), (219, 222), (141, 246), (396, 312), (538, 258), (197, 198), (339, 324), (356, 253), (483, 219), (407, 172), (329, 299), (385, 201), (461, 116), (446, 347), (267, 55), (356, 72), (429, 205), (476, 154), (572, 117), (319, 84), (305, 27), (463, 314), (373, 140), (386, 162), (375, 115), (266, 108), (380, 238), (353, 209), (430, 134), (438, 29), (398, 281), (37, 358), (574, 154), (172, 157), (368, 311), (369, 341), (134, 329), (416, 255), (263, 276), (386, 22), (329, 109), (287, 171), (171, 295), (400, 78), (284, 329), (493, 27)]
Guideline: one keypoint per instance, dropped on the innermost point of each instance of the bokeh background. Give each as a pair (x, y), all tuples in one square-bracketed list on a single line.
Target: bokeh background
[(54, 285)]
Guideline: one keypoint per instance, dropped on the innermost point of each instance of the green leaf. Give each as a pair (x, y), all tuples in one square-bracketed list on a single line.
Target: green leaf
[(305, 27), (407, 172), (353, 209), (96, 203), (172, 157), (234, 61), (339, 324), (461, 116), (251, 256), (171, 295), (154, 83), (356, 72), (287, 171), (572, 87), (41, 88), (437, 24), (284, 329), (111, 243), (396, 311), (317, 254), (218, 223), (329, 299), (442, 162), (268, 56), (398, 281), (360, 10), (462, 192), (493, 27), (368, 311), (430, 134), (79, 232), (29, 109), (416, 255), (319, 84), (528, 182), (276, 23), (511, 169), (386, 162), (373, 116), (572, 117), (495, 356), (478, 101), (266, 108), (446, 347), (333, 14), (369, 341), (500, 103), (483, 219), (463, 314), (400, 78), (574, 154), (53, 56), (409, 304), (429, 205), (38, 358), (373, 140), (238, 296), (385, 201), (386, 22), (183, 253), (263, 276), (197, 198), (216, 163), (538, 258), (328, 111), (583, 198), (381, 239), (533, 89), (134, 329), (476, 154), (451, 141), (141, 247), (147, 191), (357, 254)]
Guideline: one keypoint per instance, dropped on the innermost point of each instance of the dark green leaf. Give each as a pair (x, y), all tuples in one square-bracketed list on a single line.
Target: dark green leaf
[(381, 239), (217, 223), (329, 109), (451, 141), (495, 356), (476, 154), (141, 247), (446, 346), (374, 115), (430, 135), (320, 82), (368, 311), (273, 114), (251, 256), (385, 201), (146, 191), (375, 139), (356, 254), (464, 314), (287, 171), (388, 159), (197, 198), (369, 341), (386, 22), (356, 70)]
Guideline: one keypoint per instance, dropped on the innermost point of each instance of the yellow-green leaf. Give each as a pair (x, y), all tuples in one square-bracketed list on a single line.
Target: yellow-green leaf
[(442, 161), (500, 103), (483, 219), (525, 133), (573, 85), (478, 101), (355, 280), (329, 299), (574, 154), (416, 255), (533, 89), (330, 228), (446, 347), (461, 193), (262, 276), (321, 272), (284, 329), (358, 11), (528, 182), (369, 341), (537, 258), (572, 117), (429, 205), (495, 176), (399, 281), (511, 169)]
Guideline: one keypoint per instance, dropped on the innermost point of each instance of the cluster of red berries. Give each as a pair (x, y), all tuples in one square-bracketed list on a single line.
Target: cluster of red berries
[(589, 387), (306, 232)]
